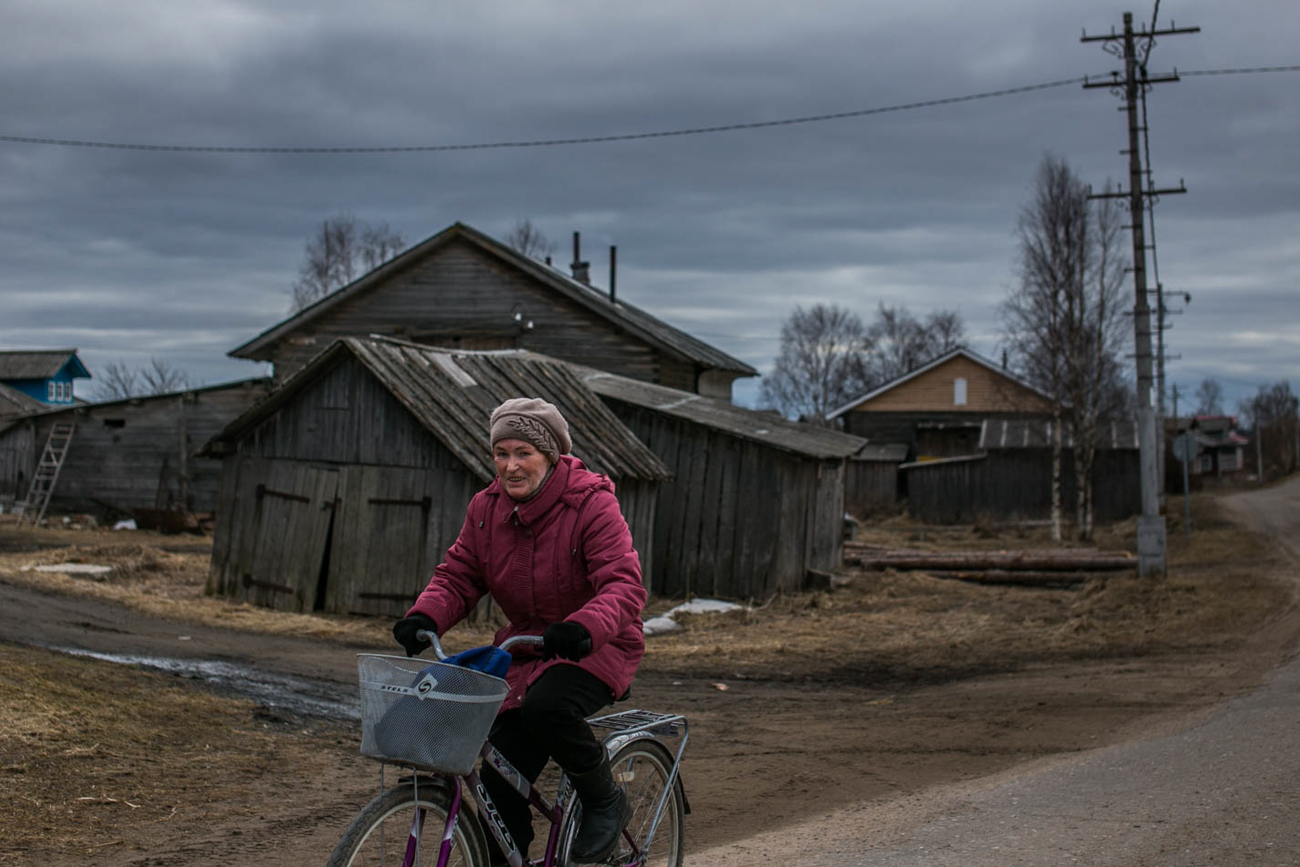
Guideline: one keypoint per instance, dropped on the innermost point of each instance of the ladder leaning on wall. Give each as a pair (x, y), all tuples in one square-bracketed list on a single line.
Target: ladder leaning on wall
[(47, 473)]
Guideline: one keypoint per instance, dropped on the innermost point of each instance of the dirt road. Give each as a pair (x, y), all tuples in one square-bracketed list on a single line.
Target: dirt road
[(795, 736), (1193, 791)]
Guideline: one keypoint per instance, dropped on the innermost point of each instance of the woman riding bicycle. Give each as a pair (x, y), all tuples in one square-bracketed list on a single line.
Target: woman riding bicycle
[(547, 540)]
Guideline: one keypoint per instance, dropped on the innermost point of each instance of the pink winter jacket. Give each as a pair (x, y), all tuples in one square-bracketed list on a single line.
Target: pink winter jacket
[(565, 554)]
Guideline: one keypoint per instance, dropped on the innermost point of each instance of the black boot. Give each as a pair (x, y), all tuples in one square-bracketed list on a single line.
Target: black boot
[(604, 813)]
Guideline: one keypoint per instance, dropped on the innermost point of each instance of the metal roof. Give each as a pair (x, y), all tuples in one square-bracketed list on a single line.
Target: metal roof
[(634, 320), (452, 394), (1037, 434), (762, 427), (38, 363)]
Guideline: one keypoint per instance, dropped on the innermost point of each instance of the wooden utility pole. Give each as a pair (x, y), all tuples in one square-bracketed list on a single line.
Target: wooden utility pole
[(1151, 526)]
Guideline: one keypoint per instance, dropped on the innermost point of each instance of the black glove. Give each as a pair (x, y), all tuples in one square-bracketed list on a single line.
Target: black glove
[(567, 640), (404, 631)]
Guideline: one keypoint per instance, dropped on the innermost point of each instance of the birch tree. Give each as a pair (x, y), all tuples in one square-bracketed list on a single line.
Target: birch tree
[(1063, 322)]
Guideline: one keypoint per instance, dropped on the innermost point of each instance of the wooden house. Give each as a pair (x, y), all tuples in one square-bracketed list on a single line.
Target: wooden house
[(128, 455), (1009, 477), (35, 379), (462, 289), (938, 409), (755, 501), (1220, 456), (343, 490)]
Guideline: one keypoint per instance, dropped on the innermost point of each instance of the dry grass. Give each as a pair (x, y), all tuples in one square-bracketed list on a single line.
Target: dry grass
[(91, 751)]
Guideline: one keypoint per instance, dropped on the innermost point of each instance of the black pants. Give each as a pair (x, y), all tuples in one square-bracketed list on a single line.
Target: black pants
[(551, 723)]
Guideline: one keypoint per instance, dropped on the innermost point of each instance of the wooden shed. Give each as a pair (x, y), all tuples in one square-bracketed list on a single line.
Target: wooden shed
[(1010, 478), (344, 489), (872, 482), (129, 454), (466, 290), (755, 501)]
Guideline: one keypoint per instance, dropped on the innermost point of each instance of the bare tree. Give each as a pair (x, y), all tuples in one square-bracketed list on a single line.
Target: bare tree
[(119, 382), (161, 378), (1209, 397), (340, 251), (1064, 322), (822, 363), (528, 239), (900, 343), (1274, 422)]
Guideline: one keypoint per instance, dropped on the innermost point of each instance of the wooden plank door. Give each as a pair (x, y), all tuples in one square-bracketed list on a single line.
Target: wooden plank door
[(295, 508)]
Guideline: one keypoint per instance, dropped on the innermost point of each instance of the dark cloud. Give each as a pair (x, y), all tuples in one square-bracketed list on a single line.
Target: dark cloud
[(135, 254)]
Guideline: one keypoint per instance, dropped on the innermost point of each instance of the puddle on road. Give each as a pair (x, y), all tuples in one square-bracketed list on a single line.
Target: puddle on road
[(278, 691)]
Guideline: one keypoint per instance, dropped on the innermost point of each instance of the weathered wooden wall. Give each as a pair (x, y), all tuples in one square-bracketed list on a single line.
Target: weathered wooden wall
[(1016, 484), (342, 502), (738, 519), (461, 297), (870, 485), (130, 454)]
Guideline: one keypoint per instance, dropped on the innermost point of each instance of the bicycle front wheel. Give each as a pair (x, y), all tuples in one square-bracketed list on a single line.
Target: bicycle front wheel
[(642, 769), (389, 832)]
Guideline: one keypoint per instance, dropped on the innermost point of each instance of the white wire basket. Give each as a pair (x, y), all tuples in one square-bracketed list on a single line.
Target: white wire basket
[(429, 715)]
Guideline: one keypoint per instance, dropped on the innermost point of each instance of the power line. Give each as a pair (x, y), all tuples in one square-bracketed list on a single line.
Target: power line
[(557, 142)]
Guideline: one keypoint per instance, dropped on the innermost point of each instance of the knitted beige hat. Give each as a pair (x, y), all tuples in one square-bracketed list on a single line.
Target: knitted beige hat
[(534, 421)]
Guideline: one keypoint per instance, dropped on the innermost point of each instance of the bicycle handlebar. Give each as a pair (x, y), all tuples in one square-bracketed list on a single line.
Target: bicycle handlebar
[(432, 638)]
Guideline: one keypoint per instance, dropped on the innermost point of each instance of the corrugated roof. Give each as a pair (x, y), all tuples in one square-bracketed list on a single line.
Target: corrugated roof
[(37, 363), (1037, 434), (769, 429), (452, 394), (636, 321)]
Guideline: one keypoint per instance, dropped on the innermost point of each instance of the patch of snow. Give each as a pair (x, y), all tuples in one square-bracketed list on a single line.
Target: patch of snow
[(705, 606), (665, 622), (128, 524), (660, 625), (75, 569)]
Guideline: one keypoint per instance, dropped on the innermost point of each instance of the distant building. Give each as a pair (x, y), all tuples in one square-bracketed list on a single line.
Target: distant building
[(938, 409), (464, 290), (32, 380), (1221, 449)]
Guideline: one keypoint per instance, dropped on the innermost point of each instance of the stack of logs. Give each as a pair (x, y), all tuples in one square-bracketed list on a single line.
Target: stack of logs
[(1044, 567)]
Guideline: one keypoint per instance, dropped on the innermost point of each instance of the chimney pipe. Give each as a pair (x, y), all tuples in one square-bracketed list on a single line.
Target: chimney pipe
[(613, 270), (581, 269)]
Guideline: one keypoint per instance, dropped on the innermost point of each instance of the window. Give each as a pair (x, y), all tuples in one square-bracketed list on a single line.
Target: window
[(115, 422), (58, 391), (959, 391), (49, 392)]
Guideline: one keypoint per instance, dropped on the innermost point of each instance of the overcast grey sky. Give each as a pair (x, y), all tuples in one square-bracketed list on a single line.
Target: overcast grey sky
[(128, 254)]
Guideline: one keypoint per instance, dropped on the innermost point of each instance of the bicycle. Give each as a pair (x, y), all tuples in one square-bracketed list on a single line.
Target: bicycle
[(404, 699)]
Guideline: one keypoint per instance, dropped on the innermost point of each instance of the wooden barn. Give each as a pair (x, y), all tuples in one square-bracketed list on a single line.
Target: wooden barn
[(462, 289), (343, 490), (1010, 478), (755, 501), (129, 455)]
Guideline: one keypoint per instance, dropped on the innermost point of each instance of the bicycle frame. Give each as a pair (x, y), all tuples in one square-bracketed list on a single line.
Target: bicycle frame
[(644, 726), (624, 727)]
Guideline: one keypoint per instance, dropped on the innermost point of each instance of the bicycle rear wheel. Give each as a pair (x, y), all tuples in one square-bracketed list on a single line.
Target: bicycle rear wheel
[(381, 834), (642, 769)]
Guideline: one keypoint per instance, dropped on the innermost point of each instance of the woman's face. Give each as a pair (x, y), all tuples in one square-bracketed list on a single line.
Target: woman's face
[(520, 466)]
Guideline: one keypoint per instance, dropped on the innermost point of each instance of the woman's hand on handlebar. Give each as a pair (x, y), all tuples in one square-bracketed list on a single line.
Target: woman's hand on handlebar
[(406, 630), (567, 640)]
